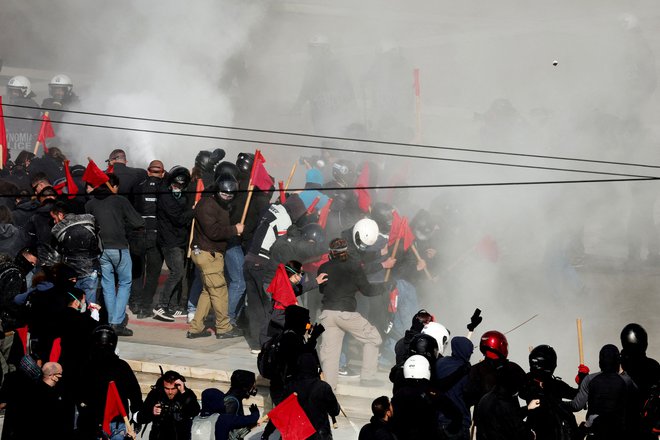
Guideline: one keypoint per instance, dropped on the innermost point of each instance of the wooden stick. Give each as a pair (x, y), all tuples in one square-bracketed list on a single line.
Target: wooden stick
[(396, 248), (580, 341), (192, 230), (419, 258), (293, 171), (129, 428), (247, 202), (112, 190), (36, 146)]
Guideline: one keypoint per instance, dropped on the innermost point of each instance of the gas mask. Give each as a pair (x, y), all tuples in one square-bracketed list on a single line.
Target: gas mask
[(176, 192)]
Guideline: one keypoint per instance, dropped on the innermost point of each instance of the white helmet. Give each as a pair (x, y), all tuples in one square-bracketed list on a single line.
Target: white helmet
[(60, 81), (417, 367), (439, 332), (365, 233), (21, 84)]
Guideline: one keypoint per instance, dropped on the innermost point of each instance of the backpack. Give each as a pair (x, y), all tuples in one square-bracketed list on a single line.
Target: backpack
[(269, 360), (203, 428), (238, 433)]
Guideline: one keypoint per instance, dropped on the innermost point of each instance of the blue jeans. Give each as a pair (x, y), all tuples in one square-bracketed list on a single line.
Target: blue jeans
[(234, 259), (118, 431), (194, 291), (89, 284), (116, 262)]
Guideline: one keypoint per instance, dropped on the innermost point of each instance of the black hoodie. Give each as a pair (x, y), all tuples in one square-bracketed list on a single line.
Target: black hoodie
[(115, 216)]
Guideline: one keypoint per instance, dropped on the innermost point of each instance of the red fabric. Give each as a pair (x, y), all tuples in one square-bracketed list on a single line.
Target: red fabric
[(94, 176), (56, 350), (290, 419), (3, 135), (45, 132), (23, 336), (113, 406), (259, 176), (110, 169), (394, 300), (312, 207), (199, 190), (323, 214), (281, 290), (71, 186), (406, 234), (488, 249), (280, 184), (363, 195), (395, 229)]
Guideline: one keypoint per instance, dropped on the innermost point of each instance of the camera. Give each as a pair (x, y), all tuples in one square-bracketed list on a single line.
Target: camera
[(170, 409)]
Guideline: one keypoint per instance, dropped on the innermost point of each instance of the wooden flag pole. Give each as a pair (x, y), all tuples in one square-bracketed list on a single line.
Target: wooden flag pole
[(36, 146), (396, 248), (293, 171), (129, 428), (419, 258), (247, 202), (580, 341)]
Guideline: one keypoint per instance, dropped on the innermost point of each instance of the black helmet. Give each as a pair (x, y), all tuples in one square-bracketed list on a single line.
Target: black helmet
[(226, 167), (634, 338), (104, 336), (179, 176), (424, 345), (227, 186), (543, 360), (343, 171), (244, 162), (422, 225), (313, 232), (382, 213), (202, 160)]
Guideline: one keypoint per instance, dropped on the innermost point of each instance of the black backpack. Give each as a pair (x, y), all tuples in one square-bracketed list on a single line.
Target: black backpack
[(269, 360)]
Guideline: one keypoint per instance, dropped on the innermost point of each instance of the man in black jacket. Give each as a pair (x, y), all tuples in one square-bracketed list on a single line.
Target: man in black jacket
[(77, 241), (171, 407), (40, 225), (174, 216), (345, 278), (115, 216), (145, 250), (129, 177), (379, 427)]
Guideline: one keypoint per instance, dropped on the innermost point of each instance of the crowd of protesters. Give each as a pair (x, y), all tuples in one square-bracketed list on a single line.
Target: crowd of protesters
[(83, 249)]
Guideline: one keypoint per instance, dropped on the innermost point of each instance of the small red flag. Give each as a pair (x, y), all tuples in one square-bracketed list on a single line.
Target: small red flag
[(71, 186), (406, 234), (488, 249), (290, 419), (259, 176), (113, 406), (364, 198), (280, 184), (281, 290), (3, 135), (323, 214), (56, 350), (46, 131), (199, 190), (94, 175), (395, 229)]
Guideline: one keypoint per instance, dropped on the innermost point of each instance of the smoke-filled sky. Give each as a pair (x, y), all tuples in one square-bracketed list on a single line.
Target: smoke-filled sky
[(345, 68)]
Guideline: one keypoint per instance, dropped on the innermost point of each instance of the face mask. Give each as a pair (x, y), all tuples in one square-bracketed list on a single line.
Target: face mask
[(176, 192)]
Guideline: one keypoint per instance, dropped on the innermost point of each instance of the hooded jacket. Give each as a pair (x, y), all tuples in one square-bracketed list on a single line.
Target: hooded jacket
[(115, 216), (174, 217), (452, 375), (213, 403), (12, 239), (213, 226)]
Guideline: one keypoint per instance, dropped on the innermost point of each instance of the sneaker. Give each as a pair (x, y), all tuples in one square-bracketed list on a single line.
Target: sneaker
[(179, 314), (347, 372), (121, 330), (191, 316), (233, 333), (161, 315), (255, 351), (202, 334), (371, 383)]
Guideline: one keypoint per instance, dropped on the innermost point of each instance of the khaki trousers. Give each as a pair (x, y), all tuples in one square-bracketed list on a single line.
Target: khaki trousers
[(214, 292)]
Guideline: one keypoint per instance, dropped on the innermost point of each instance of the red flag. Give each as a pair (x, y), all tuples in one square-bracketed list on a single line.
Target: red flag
[(93, 175), (395, 229), (364, 198), (281, 290), (56, 350), (259, 176), (23, 336), (406, 234), (46, 131), (280, 184), (312, 207), (290, 419), (3, 135), (488, 249), (323, 214), (71, 186), (113, 406), (199, 190)]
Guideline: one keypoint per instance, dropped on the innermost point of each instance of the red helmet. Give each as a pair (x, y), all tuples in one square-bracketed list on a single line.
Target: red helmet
[(494, 345)]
